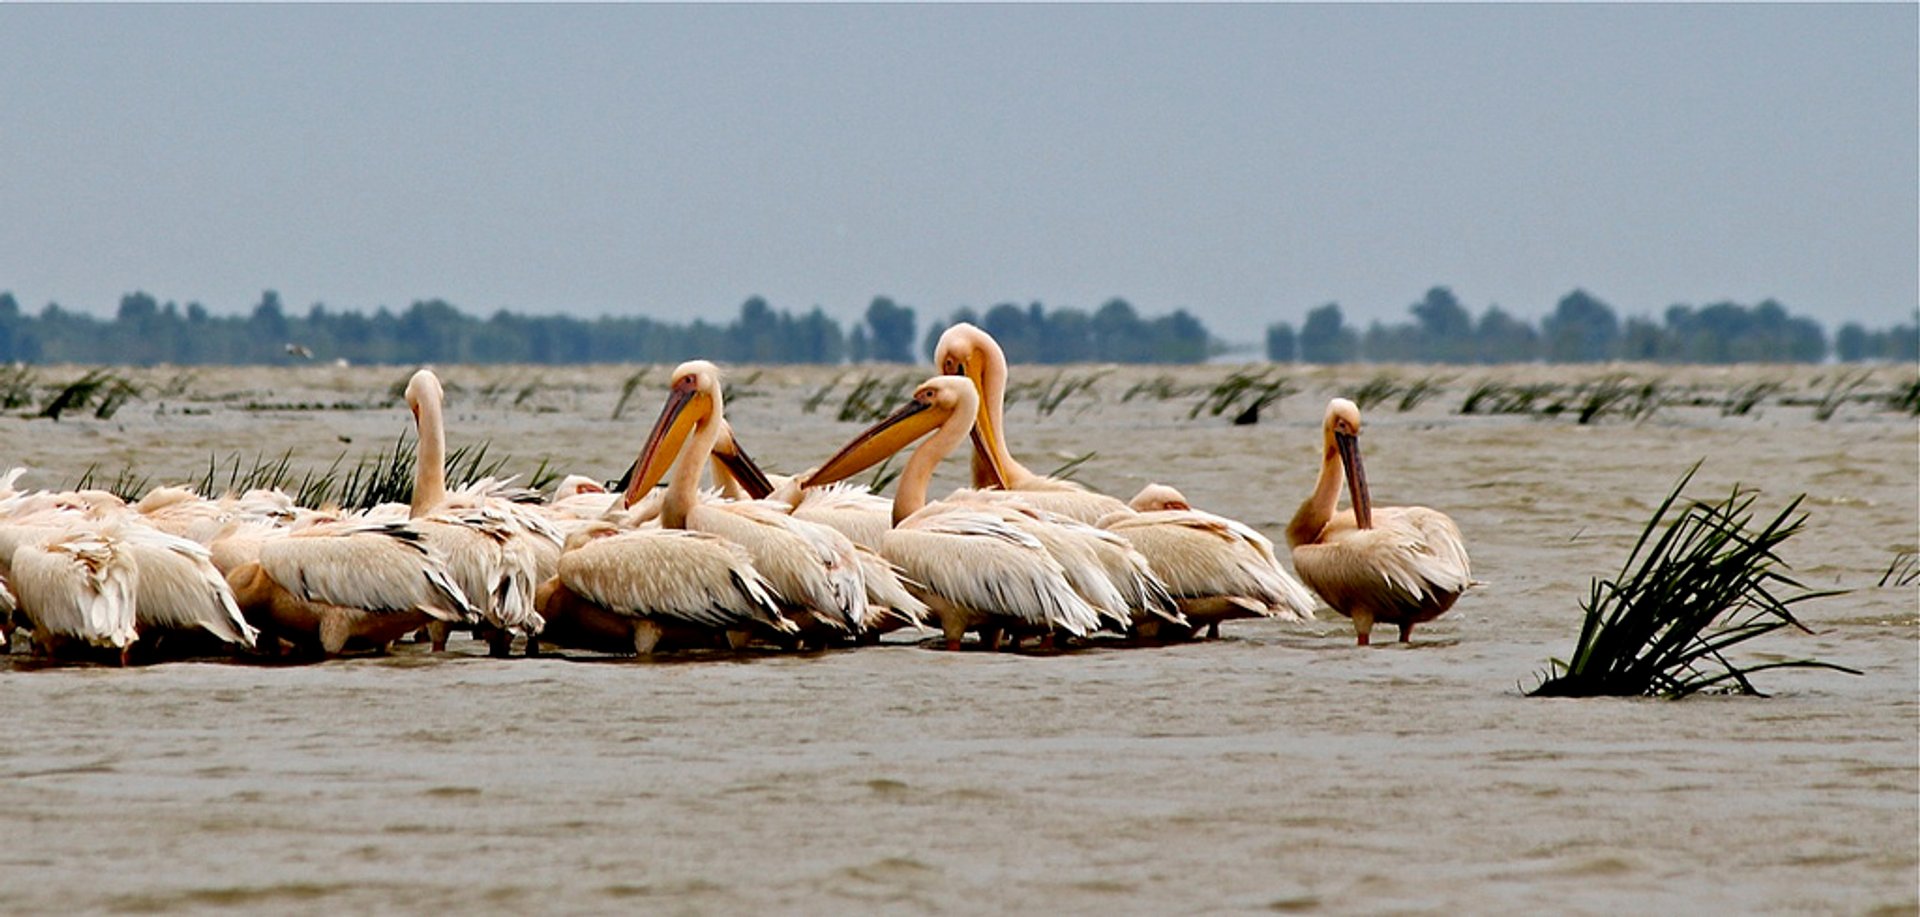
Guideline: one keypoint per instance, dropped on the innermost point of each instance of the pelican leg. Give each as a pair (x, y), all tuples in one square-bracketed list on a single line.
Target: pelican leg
[(533, 645), (334, 631), (738, 638), (953, 625), (990, 638), (1363, 625), (500, 644), (1213, 630), (437, 632), (646, 636), (1406, 633)]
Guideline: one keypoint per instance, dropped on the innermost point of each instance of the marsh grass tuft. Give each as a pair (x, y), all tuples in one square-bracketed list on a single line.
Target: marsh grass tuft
[(1902, 571), (109, 389), (1255, 389), (1692, 588), (874, 397), (1072, 466)]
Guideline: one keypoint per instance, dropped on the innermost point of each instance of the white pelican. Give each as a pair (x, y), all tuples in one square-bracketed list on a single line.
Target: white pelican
[(1216, 568), (332, 583), (965, 350), (77, 588), (977, 570), (647, 589), (810, 567), (496, 563), (1394, 564), (861, 515)]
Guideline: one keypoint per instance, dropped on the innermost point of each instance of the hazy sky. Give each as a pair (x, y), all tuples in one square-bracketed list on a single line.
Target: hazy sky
[(1245, 162)]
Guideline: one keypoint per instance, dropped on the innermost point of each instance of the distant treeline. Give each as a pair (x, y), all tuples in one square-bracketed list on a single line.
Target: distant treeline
[(1582, 329)]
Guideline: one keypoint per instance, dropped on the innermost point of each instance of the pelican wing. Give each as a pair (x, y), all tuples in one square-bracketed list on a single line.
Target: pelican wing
[(378, 567), (981, 561), (1198, 554), (181, 590), (1415, 553), (81, 586), (808, 565), (689, 576)]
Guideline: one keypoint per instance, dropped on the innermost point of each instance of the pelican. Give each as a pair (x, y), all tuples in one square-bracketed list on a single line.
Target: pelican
[(861, 515), (1394, 564), (495, 562), (332, 583), (1216, 568), (811, 567), (78, 588), (965, 350), (976, 569)]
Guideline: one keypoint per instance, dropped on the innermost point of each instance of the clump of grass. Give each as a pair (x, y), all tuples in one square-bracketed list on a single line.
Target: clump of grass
[(108, 387), (1838, 393), (818, 397), (873, 398), (1692, 588), (1906, 399), (1613, 395), (128, 484), (627, 388), (1071, 466), (1902, 572), (1420, 390), (1741, 401), (1252, 388), (1158, 388), (264, 474), (16, 386), (1376, 390), (1501, 398), (1061, 386)]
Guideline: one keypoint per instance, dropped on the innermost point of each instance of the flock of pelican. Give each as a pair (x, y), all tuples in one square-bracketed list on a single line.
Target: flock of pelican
[(806, 561)]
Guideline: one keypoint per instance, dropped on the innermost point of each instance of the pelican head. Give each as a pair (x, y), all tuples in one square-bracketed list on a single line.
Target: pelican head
[(423, 390), (966, 350), (692, 400), (934, 402), (1156, 497), (1342, 433)]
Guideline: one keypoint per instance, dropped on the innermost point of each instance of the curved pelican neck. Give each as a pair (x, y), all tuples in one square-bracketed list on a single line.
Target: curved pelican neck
[(993, 396), (430, 459), (917, 476), (683, 482), (1318, 510)]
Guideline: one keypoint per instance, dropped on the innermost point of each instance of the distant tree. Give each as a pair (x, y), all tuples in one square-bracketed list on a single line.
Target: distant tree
[(1501, 338), (1581, 329), (1325, 338), (889, 332), (1446, 330), (1282, 346)]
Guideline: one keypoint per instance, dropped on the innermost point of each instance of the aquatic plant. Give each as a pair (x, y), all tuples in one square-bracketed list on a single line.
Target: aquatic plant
[(1421, 389), (129, 484), (1741, 401), (1501, 398), (110, 388), (1376, 390), (873, 398), (1906, 398), (1067, 469), (1257, 390), (16, 386), (1902, 572), (1692, 588)]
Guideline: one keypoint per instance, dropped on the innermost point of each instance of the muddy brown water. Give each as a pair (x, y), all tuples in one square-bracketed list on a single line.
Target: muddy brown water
[(1279, 768)]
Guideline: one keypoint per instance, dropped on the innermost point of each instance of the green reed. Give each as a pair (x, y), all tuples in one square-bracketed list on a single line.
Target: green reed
[(1694, 586)]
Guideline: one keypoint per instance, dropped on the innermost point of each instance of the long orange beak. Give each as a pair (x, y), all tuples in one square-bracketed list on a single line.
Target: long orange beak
[(741, 465), (670, 433), (916, 419), (1349, 446)]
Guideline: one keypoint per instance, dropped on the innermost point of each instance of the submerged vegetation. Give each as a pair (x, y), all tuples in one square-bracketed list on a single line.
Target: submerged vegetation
[(1695, 586), (368, 481)]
